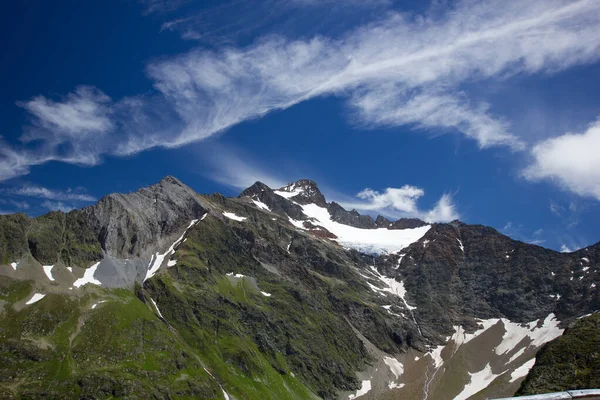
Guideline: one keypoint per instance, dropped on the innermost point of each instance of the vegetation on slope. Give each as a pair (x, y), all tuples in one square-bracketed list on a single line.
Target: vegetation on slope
[(571, 361)]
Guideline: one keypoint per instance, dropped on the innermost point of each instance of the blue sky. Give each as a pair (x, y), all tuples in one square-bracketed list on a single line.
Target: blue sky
[(437, 110)]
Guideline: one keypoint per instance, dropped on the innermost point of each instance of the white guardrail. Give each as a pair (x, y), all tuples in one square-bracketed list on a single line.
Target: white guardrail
[(588, 394)]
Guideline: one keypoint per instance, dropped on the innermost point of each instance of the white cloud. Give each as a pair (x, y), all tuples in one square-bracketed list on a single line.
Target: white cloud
[(402, 199), (417, 64), (84, 112), (565, 249), (44, 193), (402, 202), (15, 163), (428, 109), (444, 211), (571, 161)]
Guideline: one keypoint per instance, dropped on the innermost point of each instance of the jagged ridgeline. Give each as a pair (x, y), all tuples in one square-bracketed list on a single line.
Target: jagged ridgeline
[(278, 294)]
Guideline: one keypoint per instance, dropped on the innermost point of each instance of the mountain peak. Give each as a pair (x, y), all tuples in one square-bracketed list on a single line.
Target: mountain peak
[(305, 191), (169, 180), (256, 189)]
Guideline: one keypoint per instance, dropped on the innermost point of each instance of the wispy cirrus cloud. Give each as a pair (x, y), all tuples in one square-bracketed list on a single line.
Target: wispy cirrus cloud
[(57, 206), (161, 6), (49, 194), (83, 112), (417, 64), (233, 168), (19, 205)]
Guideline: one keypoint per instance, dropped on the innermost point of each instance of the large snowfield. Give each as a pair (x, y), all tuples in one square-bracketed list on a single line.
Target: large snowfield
[(371, 241)]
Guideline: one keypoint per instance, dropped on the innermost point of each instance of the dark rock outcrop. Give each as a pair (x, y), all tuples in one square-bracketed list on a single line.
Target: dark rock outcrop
[(308, 192), (351, 218), (277, 204), (407, 223)]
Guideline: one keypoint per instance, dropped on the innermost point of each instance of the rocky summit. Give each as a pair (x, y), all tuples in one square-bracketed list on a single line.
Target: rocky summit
[(279, 294)]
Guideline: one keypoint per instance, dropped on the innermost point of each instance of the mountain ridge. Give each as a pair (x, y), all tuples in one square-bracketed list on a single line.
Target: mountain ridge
[(218, 269)]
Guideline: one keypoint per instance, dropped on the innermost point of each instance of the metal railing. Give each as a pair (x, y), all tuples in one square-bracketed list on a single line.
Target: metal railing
[(587, 394)]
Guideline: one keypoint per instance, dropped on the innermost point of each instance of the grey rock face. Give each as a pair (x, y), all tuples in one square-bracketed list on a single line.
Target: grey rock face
[(139, 223)]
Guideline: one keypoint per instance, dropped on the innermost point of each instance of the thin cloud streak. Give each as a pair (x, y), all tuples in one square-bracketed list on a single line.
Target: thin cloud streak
[(44, 193), (57, 206)]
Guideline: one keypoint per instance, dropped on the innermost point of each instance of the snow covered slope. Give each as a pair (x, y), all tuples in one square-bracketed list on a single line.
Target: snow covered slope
[(370, 241)]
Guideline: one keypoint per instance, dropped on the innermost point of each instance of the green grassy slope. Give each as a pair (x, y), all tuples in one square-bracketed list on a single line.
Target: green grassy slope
[(571, 361)]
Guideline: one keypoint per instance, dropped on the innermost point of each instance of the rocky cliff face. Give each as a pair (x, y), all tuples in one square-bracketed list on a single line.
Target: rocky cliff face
[(271, 295), (140, 223)]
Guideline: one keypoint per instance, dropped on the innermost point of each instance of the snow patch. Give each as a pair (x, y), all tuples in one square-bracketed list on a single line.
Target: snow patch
[(479, 381), (391, 286), (587, 260), (522, 371), (171, 263), (88, 277), (556, 296), (96, 305), (593, 285), (289, 191), (460, 244), (157, 310), (233, 216), (584, 269), (364, 389), (14, 265), (393, 385), (48, 271), (400, 257), (261, 205), (395, 366), (515, 333), (35, 298), (436, 356), (517, 355), (266, 294), (461, 337), (236, 275), (157, 259), (70, 269)]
